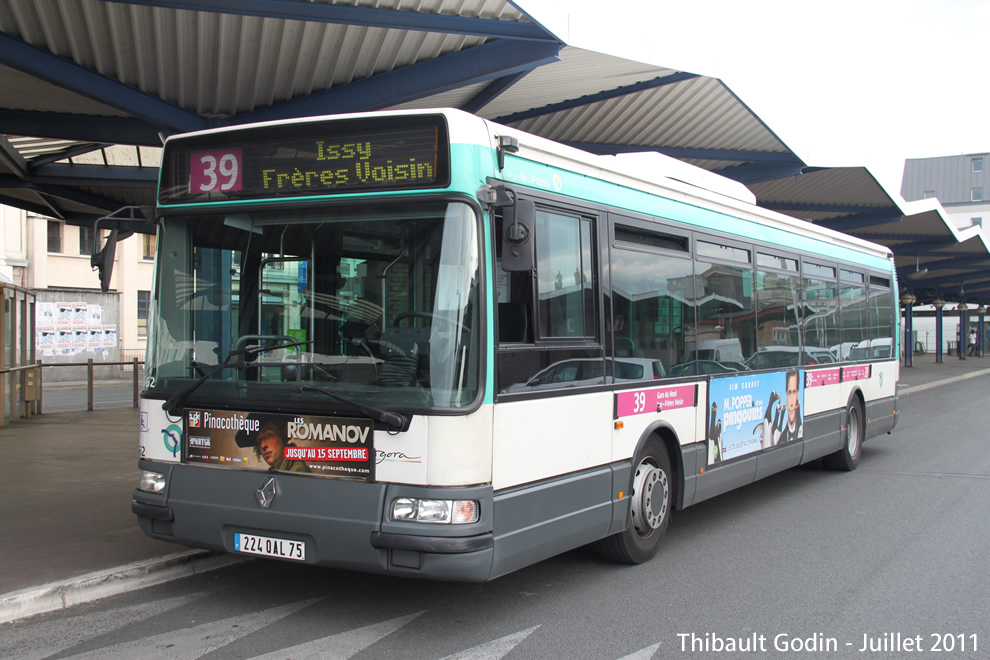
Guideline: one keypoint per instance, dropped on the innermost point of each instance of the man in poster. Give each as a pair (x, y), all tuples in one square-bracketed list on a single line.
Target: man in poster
[(269, 444), (791, 428)]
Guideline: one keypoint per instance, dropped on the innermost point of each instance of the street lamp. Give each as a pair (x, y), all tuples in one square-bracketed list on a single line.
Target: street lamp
[(938, 303), (908, 298)]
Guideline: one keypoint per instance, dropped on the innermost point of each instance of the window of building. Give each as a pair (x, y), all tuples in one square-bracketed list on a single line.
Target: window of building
[(86, 240), (54, 236), (149, 246), (976, 194), (977, 164), (929, 194), (143, 308)]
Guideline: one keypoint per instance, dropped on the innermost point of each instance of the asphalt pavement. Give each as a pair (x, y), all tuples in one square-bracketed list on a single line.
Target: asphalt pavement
[(68, 532)]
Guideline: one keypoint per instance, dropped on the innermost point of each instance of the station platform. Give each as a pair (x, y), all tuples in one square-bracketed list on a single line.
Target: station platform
[(68, 532)]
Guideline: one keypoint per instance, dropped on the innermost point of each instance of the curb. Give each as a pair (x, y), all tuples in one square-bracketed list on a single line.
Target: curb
[(112, 582), (911, 389)]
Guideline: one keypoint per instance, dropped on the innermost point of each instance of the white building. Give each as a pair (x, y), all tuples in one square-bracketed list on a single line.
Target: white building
[(53, 259), (960, 183)]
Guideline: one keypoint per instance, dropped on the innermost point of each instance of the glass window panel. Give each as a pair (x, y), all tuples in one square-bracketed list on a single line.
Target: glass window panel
[(726, 328), (780, 263), (820, 318), (522, 371), (778, 323), (850, 276), (148, 246), (815, 270), (384, 300), (881, 323), (86, 240), (651, 300), (716, 251), (651, 238), (54, 236), (564, 283), (855, 325)]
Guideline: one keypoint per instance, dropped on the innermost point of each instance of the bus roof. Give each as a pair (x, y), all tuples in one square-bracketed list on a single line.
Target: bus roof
[(661, 175)]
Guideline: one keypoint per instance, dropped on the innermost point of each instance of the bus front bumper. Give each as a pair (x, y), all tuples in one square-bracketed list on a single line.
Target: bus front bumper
[(341, 523)]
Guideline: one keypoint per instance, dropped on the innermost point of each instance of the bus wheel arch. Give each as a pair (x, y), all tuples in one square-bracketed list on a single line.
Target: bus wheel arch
[(854, 432), (652, 498)]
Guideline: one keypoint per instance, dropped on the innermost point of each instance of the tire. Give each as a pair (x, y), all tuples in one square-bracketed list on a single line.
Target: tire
[(847, 458), (651, 503)]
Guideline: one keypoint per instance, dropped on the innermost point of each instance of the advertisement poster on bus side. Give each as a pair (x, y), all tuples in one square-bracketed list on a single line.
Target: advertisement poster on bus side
[(329, 446), (754, 412)]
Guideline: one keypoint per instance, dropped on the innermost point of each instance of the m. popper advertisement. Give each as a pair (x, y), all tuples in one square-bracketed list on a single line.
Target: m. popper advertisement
[(330, 446), (750, 413)]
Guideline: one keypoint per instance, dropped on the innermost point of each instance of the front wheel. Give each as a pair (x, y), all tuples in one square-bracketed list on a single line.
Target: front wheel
[(847, 458), (651, 504)]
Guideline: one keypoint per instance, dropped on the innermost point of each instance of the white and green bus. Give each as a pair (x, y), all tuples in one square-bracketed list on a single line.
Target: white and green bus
[(423, 344)]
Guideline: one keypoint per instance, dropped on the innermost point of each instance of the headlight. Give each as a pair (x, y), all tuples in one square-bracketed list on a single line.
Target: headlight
[(450, 512), (151, 482)]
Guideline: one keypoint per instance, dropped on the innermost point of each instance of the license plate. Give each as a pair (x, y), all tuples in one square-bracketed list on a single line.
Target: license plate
[(269, 547)]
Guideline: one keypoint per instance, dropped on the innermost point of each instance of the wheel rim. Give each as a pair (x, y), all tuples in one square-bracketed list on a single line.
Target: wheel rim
[(651, 494), (852, 440)]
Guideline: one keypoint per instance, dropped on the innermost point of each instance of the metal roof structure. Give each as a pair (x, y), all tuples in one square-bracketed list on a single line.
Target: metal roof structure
[(934, 259), (91, 86), (82, 78)]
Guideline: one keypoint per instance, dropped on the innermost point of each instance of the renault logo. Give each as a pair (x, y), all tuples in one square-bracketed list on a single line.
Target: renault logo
[(266, 493)]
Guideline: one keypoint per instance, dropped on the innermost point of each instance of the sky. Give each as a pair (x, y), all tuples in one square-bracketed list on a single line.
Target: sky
[(844, 83)]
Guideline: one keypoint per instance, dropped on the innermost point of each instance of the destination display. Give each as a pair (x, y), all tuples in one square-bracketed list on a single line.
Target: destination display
[(312, 158), (329, 446)]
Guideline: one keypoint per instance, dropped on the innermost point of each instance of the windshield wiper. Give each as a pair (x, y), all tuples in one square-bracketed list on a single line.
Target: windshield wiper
[(173, 404), (394, 421)]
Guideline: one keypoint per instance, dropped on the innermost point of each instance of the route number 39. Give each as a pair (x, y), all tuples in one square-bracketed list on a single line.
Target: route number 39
[(215, 171), (639, 404)]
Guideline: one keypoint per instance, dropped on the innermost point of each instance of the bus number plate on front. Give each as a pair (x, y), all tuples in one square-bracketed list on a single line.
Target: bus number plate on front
[(269, 547)]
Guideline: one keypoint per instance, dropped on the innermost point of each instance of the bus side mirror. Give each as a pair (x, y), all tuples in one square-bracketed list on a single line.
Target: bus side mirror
[(102, 260), (518, 247), (124, 221)]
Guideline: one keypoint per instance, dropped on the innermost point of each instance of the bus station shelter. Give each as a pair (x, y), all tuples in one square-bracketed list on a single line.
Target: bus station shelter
[(92, 87)]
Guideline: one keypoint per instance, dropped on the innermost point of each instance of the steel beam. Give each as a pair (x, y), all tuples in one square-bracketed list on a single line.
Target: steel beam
[(96, 175), (492, 91), (80, 128), (77, 79), (320, 12), (618, 92), (12, 160), (487, 62)]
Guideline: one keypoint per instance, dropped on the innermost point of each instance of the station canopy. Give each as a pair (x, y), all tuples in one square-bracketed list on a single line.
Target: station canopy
[(91, 87)]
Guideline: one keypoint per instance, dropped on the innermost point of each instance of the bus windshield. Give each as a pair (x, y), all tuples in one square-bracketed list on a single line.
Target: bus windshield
[(378, 304)]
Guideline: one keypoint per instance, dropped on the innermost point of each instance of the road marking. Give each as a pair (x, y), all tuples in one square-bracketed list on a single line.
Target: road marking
[(198, 640), (342, 645), (40, 640), (643, 654), (494, 650)]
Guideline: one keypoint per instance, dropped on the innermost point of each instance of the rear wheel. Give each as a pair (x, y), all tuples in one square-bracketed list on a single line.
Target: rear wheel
[(847, 458), (651, 503)]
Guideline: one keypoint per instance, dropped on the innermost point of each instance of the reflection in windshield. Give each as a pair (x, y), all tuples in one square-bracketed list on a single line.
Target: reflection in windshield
[(384, 303)]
